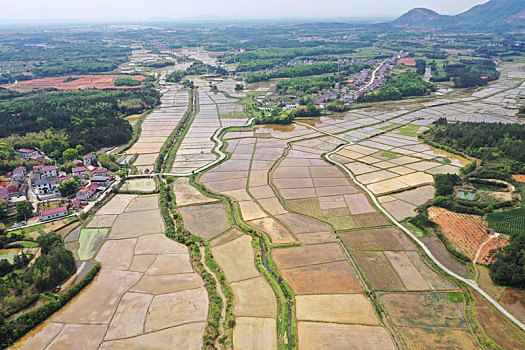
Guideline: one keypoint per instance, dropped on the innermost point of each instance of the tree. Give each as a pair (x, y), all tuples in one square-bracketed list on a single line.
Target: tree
[(68, 187), (23, 210), (3, 209), (70, 154)]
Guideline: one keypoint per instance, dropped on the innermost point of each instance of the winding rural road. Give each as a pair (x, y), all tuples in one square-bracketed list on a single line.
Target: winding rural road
[(373, 76), (470, 282)]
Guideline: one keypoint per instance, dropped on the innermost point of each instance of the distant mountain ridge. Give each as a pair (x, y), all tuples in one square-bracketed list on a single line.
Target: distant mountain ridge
[(494, 13)]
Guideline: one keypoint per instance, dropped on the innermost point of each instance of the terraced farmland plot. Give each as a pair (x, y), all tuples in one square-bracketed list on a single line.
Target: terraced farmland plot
[(158, 126), (146, 293)]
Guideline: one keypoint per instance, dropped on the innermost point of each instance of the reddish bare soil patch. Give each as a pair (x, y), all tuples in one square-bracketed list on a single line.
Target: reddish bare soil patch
[(83, 82), (466, 232)]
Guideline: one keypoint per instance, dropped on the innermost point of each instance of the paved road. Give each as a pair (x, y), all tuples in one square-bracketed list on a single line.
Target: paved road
[(373, 76), (470, 282)]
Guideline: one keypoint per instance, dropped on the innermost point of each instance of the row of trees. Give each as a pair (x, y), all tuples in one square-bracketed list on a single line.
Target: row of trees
[(278, 116)]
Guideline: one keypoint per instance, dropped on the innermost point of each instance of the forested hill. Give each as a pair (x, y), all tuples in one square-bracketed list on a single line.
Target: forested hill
[(494, 14), (91, 118)]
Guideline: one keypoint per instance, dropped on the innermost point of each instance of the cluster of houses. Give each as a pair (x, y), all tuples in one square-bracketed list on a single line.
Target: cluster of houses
[(44, 181)]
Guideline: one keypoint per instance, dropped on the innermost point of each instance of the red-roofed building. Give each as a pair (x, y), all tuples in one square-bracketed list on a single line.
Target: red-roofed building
[(21, 170), (27, 153), (80, 172), (4, 195), (38, 169), (50, 171), (99, 172), (90, 159), (53, 213)]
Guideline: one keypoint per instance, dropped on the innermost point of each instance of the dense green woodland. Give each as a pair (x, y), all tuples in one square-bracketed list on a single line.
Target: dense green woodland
[(83, 121), (488, 141), (406, 84), (61, 59), (466, 73)]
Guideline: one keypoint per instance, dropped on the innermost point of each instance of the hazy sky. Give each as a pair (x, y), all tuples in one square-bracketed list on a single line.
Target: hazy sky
[(145, 9)]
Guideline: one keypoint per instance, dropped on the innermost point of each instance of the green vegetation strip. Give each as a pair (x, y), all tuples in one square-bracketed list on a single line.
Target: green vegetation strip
[(286, 320), (175, 230), (176, 136), (13, 330)]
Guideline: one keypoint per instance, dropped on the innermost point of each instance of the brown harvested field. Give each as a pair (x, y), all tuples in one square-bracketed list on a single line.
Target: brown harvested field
[(433, 278), (466, 232), (424, 310), (158, 244), (338, 308), (387, 238), (101, 221), (378, 270), (254, 297), (136, 224), (79, 336), (96, 303), (188, 336), (130, 316), (497, 327), (316, 237), (514, 301), (226, 237), (318, 335), (116, 205), (170, 263), (332, 278), (251, 211), (302, 224), (175, 309), (215, 223), (164, 284), (286, 258), (359, 240), (308, 206), (406, 270), (141, 263), (83, 82), (185, 194), (121, 261), (358, 204), (370, 219), (39, 337), (273, 206), (255, 333), (277, 232), (237, 259), (144, 203), (439, 251), (438, 338)]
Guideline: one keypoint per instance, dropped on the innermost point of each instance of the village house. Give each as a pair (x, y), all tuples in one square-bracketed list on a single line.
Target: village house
[(80, 172), (28, 153), (20, 170), (50, 171), (99, 172), (4, 195), (85, 194), (53, 213), (46, 185), (90, 159), (38, 169)]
